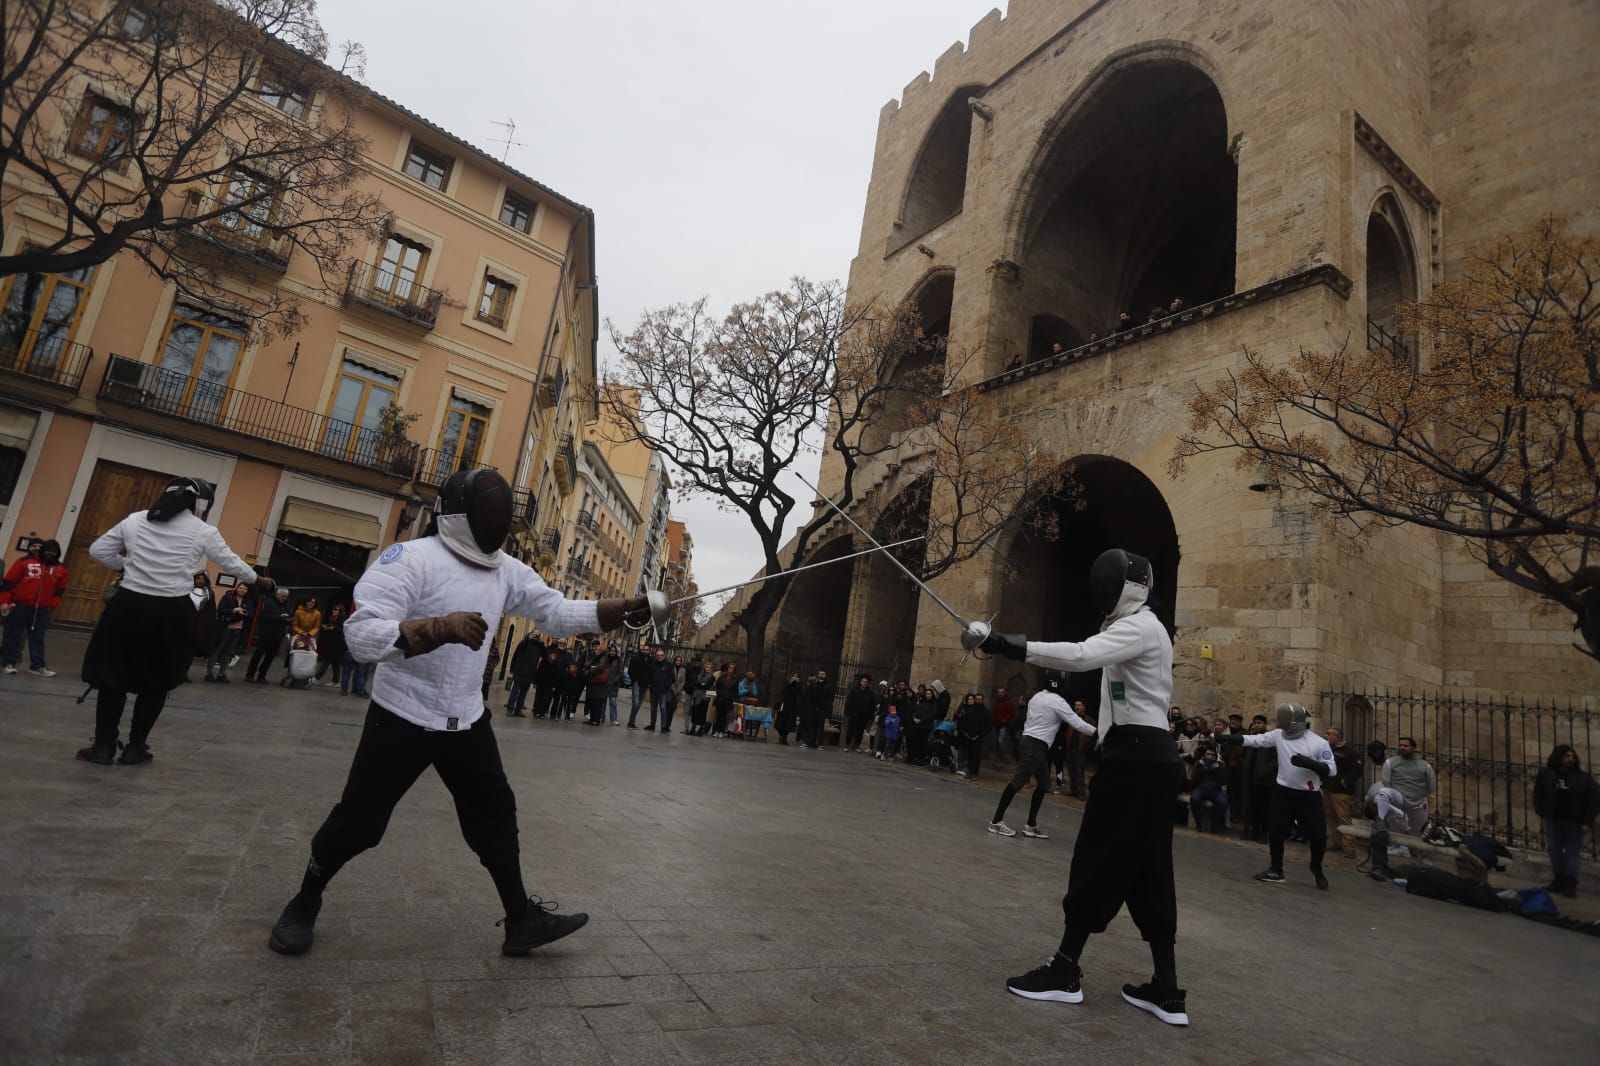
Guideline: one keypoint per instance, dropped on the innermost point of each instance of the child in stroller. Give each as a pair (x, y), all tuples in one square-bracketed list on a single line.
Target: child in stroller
[(302, 661), (942, 747)]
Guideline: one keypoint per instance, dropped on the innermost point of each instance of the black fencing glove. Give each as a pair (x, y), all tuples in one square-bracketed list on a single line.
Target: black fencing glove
[(1316, 766), (1011, 645)]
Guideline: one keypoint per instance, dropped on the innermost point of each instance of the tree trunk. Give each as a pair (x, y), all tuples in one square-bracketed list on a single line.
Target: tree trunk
[(755, 625)]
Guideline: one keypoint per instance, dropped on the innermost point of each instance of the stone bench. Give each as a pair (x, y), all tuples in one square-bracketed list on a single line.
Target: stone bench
[(1523, 866)]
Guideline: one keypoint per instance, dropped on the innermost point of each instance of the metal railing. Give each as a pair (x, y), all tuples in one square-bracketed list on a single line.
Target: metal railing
[(387, 291), (586, 521), (1380, 339), (566, 463), (434, 465), (1486, 751), (578, 568), (525, 506), (239, 232), (551, 386), (179, 395), (48, 357), (550, 539)]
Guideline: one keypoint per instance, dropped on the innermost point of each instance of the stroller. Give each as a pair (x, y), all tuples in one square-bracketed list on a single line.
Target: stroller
[(302, 662), (942, 747)]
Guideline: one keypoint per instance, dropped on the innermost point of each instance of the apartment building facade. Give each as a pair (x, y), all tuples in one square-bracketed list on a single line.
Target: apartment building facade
[(472, 315), (602, 523)]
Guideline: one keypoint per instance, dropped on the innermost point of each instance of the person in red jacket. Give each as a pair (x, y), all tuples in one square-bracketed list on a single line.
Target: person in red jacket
[(1002, 711), (31, 590)]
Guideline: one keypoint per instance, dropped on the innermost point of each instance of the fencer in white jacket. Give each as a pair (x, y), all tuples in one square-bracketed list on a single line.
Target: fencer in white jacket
[(422, 613)]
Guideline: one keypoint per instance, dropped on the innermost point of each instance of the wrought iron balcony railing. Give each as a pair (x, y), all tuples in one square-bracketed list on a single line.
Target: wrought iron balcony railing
[(437, 464), (239, 232), (192, 399), (525, 507), (550, 539), (1380, 339), (393, 293), (44, 356)]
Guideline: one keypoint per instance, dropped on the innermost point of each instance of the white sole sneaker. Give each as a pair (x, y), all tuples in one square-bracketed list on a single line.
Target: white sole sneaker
[(1153, 1008), (1001, 829), (1036, 834), (1053, 996)]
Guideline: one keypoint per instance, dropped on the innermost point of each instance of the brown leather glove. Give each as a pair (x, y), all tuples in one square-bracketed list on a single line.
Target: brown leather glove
[(635, 610), (422, 635), (265, 585)]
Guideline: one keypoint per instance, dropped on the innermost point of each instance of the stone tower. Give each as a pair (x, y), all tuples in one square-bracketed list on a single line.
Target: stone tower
[(1290, 172)]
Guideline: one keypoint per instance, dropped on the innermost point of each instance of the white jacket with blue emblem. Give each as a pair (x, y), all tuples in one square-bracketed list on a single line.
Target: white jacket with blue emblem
[(421, 579)]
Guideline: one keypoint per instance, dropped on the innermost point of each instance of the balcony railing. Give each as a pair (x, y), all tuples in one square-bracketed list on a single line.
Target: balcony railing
[(525, 507), (238, 233), (178, 395), (551, 385), (1380, 339), (566, 463), (47, 357), (578, 568), (435, 465), (550, 540), (390, 292), (586, 521)]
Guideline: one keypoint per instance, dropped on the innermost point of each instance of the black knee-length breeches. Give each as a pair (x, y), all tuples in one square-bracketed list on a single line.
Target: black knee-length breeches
[(392, 754), (1124, 850)]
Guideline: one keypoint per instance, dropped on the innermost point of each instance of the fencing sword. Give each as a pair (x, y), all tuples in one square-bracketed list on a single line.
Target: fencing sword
[(335, 571), (661, 607), (972, 633)]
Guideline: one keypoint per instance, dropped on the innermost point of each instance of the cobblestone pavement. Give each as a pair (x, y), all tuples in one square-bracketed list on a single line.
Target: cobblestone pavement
[(748, 903)]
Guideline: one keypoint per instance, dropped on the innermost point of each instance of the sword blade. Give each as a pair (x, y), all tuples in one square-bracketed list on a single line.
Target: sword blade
[(904, 569), (335, 571), (796, 570)]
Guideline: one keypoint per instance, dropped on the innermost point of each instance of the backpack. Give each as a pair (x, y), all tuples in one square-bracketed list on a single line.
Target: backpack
[(1489, 852), (1437, 884)]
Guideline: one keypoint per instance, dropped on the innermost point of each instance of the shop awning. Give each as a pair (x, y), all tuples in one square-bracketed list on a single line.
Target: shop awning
[(16, 427), (329, 523)]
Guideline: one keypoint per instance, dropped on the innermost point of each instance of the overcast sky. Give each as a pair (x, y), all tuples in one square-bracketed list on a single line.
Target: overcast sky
[(724, 145)]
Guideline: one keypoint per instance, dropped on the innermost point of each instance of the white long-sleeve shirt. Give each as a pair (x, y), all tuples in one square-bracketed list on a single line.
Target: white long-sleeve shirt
[(1046, 711), (1308, 744), (160, 558), (1135, 657), (421, 579), (1391, 808)]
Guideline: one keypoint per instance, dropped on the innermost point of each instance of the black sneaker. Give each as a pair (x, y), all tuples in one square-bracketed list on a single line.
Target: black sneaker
[(99, 754), (1322, 882), (1271, 877), (1382, 873), (292, 934), (540, 925), (1164, 1003), (1057, 981), (135, 754)]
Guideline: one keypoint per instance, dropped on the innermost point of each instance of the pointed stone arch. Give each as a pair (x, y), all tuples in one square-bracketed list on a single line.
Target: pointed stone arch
[(936, 186), (1391, 275)]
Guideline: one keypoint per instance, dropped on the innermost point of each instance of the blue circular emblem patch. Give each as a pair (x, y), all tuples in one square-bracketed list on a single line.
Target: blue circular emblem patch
[(391, 553)]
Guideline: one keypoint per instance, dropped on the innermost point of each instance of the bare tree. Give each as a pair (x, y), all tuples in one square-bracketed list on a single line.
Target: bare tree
[(734, 404), (1493, 442), (184, 132)]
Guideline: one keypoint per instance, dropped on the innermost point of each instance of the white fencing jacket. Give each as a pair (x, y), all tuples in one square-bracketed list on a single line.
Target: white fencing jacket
[(1135, 655), (1046, 711), (160, 558), (421, 579), (1307, 744)]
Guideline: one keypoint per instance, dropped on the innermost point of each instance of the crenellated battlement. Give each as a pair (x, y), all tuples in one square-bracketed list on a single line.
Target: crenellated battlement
[(995, 43)]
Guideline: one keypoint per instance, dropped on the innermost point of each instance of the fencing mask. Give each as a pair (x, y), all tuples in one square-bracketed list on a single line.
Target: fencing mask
[(474, 516), (1055, 681), (1119, 583), (183, 494), (1292, 718)]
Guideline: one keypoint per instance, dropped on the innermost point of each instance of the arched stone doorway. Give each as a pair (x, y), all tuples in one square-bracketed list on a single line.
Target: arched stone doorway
[(1110, 505), (1391, 277), (811, 622), (937, 186), (1132, 204), (918, 368)]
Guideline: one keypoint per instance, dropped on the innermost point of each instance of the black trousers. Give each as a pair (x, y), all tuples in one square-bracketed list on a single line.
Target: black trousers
[(390, 757), (543, 698), (1259, 805), (856, 729), (811, 727), (1124, 850), (108, 706), (1290, 807), (974, 751), (266, 651)]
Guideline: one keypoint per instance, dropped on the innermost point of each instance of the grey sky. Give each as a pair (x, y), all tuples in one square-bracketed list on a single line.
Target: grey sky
[(723, 144)]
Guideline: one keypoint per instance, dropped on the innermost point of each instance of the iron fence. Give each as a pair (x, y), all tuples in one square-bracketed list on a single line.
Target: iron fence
[(1485, 750), (188, 397), (435, 465), (44, 356), (394, 293)]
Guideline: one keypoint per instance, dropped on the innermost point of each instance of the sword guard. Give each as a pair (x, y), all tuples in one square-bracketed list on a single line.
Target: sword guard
[(974, 636)]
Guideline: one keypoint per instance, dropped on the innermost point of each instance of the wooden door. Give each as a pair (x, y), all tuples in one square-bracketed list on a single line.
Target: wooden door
[(115, 491)]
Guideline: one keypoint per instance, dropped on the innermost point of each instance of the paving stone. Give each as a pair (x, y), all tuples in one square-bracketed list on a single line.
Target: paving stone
[(134, 916)]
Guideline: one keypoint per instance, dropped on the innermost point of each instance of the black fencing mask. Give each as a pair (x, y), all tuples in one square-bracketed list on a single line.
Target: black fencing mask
[(474, 515), (183, 494), (1055, 681), (1109, 577)]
